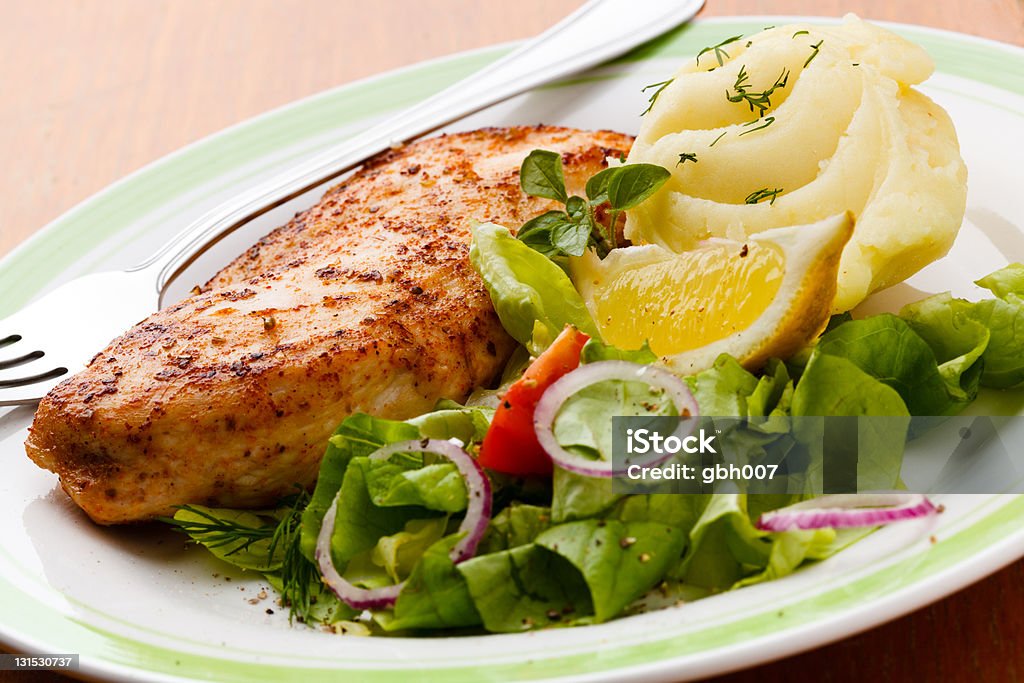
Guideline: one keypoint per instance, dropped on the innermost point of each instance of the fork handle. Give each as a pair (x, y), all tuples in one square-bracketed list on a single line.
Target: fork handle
[(600, 30)]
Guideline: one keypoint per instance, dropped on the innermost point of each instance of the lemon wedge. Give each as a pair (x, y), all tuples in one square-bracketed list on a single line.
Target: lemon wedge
[(766, 297)]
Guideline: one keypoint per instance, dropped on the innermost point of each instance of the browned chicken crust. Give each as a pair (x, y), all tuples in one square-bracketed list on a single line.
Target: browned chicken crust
[(365, 302)]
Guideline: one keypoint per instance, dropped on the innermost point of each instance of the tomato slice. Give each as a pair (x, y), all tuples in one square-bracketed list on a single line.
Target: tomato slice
[(510, 445)]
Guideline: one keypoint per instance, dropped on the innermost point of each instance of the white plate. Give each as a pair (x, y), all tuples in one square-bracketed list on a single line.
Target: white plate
[(136, 605)]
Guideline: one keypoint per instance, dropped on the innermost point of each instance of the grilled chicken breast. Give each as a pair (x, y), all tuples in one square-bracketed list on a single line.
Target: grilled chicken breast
[(365, 302)]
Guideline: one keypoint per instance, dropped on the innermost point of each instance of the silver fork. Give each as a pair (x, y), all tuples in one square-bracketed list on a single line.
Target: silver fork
[(60, 333)]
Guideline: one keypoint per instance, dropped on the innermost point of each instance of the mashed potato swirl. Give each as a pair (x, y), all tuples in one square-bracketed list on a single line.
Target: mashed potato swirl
[(799, 123)]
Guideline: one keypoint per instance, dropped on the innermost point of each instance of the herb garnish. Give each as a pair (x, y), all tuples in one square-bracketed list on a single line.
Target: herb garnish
[(814, 52), (661, 85), (717, 49), (765, 122), (713, 142), (687, 156), (218, 533), (299, 576), (761, 100), (570, 232), (762, 194), (540, 175), (801, 33)]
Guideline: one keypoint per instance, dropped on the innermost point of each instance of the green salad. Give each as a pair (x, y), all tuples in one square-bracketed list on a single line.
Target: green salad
[(456, 522)]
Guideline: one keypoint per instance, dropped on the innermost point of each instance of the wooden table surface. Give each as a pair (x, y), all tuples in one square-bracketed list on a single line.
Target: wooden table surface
[(94, 89)]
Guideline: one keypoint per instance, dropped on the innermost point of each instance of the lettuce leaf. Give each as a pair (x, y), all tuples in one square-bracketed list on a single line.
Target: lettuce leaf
[(533, 297), (518, 524), (1005, 282), (574, 496), (985, 337), (791, 549), (723, 389), (398, 554), (834, 386), (393, 483), (887, 348), (583, 423), (726, 389), (957, 341), (619, 561), (449, 420), (435, 596), (679, 510), (724, 546), (772, 397), (358, 435), (524, 588), (360, 524), (594, 350), (1003, 358), (728, 551), (763, 404)]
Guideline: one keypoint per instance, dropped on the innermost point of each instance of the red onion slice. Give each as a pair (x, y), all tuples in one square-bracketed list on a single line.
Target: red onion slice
[(352, 595), (478, 515), (843, 511), (584, 376)]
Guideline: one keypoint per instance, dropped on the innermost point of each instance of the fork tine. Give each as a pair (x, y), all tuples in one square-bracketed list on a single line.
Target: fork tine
[(29, 379), (31, 388), (20, 360), (25, 369)]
